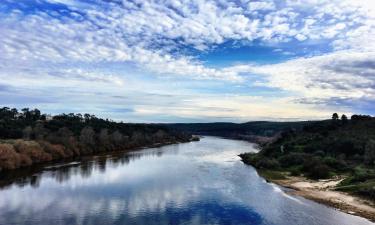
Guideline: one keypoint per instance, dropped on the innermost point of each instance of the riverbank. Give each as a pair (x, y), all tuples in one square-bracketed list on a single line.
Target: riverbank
[(26, 175), (28, 137), (329, 161), (19, 153), (323, 191), (175, 184)]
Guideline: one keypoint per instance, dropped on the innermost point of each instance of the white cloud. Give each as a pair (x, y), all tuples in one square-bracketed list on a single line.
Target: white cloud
[(44, 48), (124, 32), (301, 37), (254, 6), (345, 74)]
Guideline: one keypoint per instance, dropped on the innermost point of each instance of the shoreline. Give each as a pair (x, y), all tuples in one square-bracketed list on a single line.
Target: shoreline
[(9, 176), (82, 156), (323, 192)]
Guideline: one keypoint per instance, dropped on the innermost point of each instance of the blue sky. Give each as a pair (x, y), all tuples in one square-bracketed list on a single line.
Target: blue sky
[(189, 60)]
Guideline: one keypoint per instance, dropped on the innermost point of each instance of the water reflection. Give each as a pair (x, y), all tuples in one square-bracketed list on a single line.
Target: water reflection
[(193, 183), (63, 171)]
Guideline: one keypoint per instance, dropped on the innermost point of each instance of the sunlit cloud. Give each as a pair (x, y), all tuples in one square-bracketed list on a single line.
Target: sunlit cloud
[(62, 51)]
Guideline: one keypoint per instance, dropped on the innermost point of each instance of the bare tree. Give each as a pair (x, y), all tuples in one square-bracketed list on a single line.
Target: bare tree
[(160, 135), (27, 132), (104, 139), (39, 131), (87, 140), (117, 138)]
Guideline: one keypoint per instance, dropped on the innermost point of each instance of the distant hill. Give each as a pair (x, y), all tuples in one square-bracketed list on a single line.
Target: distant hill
[(257, 131), (324, 149)]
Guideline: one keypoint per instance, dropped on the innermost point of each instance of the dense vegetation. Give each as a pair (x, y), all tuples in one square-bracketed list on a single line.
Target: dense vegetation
[(28, 136), (324, 149), (256, 131)]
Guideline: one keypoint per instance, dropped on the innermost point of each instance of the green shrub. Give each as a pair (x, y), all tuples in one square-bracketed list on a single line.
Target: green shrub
[(316, 169), (295, 171), (259, 161), (337, 164), (249, 158), (319, 153), (363, 188), (271, 175), (320, 171), (292, 159), (368, 190), (266, 163), (369, 156)]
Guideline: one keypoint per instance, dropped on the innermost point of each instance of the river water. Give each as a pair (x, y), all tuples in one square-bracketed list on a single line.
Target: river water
[(192, 183)]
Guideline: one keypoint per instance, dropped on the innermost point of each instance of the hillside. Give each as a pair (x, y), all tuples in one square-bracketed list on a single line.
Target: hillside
[(257, 131), (29, 137), (325, 149)]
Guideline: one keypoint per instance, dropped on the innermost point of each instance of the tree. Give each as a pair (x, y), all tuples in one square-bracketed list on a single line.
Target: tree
[(160, 135), (137, 138), (360, 117), (27, 132), (117, 138), (14, 112), (7, 113), (369, 156), (68, 134), (61, 136), (104, 138), (26, 113), (39, 131), (35, 114), (335, 116), (344, 118), (87, 138), (43, 117)]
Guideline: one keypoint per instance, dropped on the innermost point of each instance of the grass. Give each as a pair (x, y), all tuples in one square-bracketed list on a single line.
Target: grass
[(357, 186), (271, 175), (365, 188)]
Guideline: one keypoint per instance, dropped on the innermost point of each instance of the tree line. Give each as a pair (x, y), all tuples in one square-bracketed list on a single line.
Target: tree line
[(324, 149), (28, 136)]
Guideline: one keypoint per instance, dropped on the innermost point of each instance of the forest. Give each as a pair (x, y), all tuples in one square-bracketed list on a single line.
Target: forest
[(338, 146), (260, 132), (27, 136)]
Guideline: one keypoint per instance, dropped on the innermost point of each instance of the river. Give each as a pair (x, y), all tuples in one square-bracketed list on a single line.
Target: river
[(192, 183)]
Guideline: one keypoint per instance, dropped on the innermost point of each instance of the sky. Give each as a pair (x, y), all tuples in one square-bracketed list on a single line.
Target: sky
[(189, 60)]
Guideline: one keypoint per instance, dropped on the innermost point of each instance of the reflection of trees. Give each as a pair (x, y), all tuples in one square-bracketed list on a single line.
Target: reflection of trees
[(86, 169), (63, 172), (35, 181), (102, 164)]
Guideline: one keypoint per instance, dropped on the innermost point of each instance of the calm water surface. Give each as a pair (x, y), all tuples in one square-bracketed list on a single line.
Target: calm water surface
[(193, 183)]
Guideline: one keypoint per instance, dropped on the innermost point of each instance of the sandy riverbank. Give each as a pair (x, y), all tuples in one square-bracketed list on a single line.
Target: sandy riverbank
[(322, 191)]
